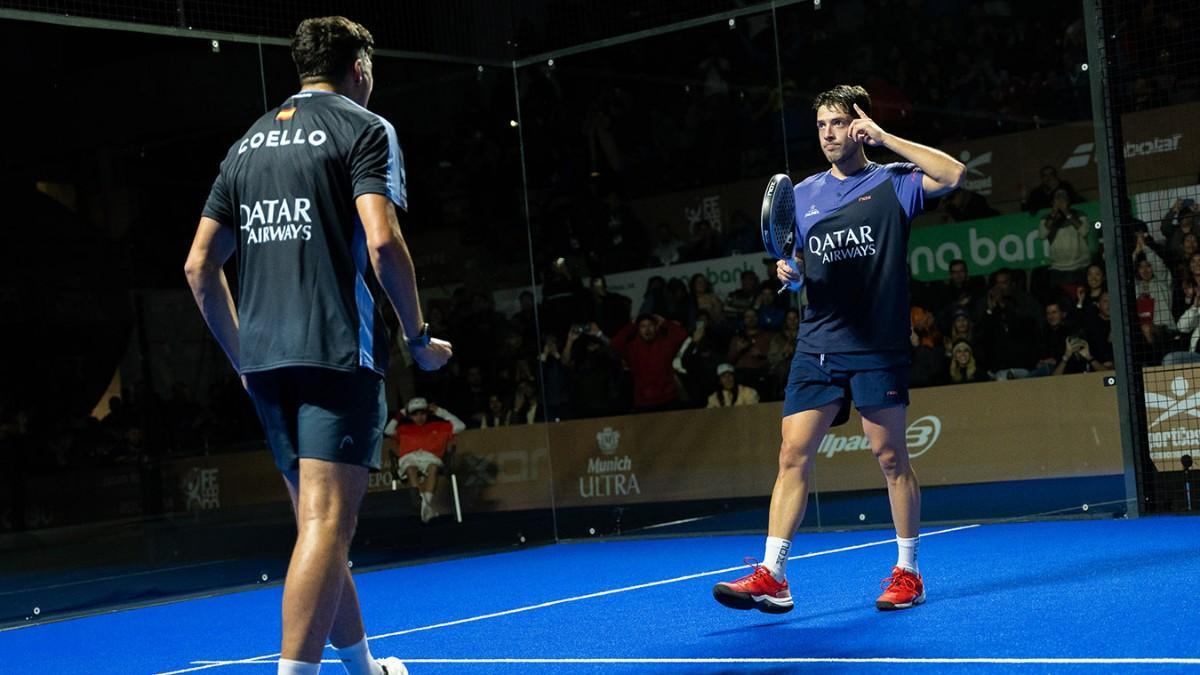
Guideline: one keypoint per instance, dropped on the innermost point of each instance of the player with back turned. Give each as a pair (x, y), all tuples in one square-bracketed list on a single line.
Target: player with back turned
[(310, 198), (852, 223)]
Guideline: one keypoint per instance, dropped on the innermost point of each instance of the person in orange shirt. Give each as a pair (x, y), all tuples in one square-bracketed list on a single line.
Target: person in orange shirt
[(420, 445)]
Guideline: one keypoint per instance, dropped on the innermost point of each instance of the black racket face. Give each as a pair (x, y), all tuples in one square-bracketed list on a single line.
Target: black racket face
[(778, 216)]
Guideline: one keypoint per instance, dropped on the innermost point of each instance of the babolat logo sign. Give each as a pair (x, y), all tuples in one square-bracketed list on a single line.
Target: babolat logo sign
[(921, 435), (609, 475)]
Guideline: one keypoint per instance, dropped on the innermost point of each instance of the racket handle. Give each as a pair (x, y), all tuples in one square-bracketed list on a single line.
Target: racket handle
[(793, 286)]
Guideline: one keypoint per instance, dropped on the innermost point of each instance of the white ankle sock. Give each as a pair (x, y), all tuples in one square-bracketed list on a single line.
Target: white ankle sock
[(357, 659), (776, 556), (908, 553), (290, 667)]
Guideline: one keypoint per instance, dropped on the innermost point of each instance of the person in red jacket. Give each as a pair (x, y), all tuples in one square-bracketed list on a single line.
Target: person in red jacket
[(648, 345)]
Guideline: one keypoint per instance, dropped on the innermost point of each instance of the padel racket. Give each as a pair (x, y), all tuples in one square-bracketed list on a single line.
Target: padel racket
[(778, 223)]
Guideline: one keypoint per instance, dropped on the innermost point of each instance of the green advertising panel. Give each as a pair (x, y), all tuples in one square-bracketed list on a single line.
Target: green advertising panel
[(987, 244)]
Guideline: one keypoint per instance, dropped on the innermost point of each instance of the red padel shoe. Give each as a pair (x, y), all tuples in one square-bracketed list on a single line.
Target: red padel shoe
[(901, 590), (757, 590)]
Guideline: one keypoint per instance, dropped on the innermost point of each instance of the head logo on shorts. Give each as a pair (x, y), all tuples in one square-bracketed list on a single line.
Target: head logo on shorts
[(922, 434), (347, 442)]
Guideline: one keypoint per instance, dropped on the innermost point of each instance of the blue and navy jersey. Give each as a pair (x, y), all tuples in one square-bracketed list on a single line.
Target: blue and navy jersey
[(855, 238), (307, 295)]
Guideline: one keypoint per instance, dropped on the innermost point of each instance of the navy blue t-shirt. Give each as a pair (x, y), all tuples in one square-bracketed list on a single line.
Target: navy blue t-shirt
[(307, 295), (855, 238)]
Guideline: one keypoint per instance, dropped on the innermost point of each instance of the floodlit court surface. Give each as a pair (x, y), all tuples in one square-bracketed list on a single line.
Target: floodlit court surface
[(1110, 596)]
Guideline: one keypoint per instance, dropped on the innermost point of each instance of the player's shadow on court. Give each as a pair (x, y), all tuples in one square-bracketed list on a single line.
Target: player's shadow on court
[(1069, 572), (799, 617)]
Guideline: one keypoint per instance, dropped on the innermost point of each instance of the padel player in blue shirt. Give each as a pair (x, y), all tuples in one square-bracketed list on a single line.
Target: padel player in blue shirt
[(853, 223), (310, 198)]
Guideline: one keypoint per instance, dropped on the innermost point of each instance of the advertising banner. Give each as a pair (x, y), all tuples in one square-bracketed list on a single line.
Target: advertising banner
[(1172, 414), (986, 245), (978, 433), (1050, 427)]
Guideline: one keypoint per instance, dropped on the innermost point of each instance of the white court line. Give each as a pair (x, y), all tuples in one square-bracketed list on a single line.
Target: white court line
[(528, 608), (1082, 661)]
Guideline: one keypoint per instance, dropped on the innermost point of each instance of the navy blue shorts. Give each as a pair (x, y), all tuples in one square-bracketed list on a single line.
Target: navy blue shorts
[(817, 380), (320, 413)]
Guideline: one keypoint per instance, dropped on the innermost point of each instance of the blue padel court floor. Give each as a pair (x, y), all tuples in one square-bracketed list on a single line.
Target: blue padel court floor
[(1108, 596)]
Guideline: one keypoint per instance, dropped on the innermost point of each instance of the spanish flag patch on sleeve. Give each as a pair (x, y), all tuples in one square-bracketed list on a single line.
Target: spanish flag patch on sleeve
[(285, 114)]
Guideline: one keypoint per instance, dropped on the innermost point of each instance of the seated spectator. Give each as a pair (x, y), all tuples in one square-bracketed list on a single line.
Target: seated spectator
[(610, 310), (706, 244), (593, 369), (654, 298), (743, 297), (620, 243), (963, 367), (1087, 295), (524, 322), (1097, 330), (1042, 196), (648, 347), (961, 328), (1178, 222), (770, 314), (526, 408), (729, 392), (963, 204), (780, 352), (748, 350), (420, 445), (470, 393), (1152, 285), (1066, 233), (1189, 322), (1183, 291), (667, 247), (1179, 264), (1055, 341), (1005, 333), (700, 357), (1077, 358), (706, 300), (958, 292), (677, 304), (497, 415), (743, 235), (928, 352), (555, 380), (565, 301)]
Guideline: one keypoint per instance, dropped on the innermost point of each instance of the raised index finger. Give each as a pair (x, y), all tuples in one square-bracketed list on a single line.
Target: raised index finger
[(859, 110)]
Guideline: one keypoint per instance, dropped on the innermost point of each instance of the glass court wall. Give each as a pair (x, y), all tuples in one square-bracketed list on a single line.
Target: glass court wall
[(556, 194)]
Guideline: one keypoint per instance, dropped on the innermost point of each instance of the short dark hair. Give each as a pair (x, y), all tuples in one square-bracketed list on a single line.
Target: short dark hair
[(958, 261), (324, 48), (844, 97)]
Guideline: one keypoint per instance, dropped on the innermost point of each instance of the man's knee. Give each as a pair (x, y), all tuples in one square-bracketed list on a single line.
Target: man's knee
[(793, 456), (892, 461), (333, 524)]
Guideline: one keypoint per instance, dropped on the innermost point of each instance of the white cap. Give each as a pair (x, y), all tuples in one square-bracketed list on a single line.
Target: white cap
[(724, 368), (416, 403)]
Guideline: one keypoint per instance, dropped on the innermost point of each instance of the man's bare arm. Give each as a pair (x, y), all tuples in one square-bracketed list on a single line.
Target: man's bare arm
[(942, 172), (211, 247), (394, 268)]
